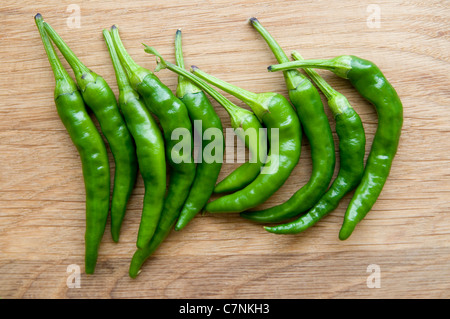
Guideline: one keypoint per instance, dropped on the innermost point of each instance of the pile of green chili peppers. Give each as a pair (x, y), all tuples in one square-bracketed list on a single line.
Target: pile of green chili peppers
[(142, 129)]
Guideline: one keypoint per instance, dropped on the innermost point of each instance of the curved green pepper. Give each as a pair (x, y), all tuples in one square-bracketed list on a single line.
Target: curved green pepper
[(91, 148), (173, 116), (200, 109), (102, 101), (149, 144), (352, 143), (371, 83)]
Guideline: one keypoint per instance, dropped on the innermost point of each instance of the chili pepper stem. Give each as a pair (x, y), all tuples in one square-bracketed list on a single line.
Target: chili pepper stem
[(234, 111), (259, 103), (274, 46), (240, 93), (337, 102), (82, 72), (184, 86), (340, 65), (134, 71), (179, 49), (55, 63), (292, 77), (326, 89), (121, 76)]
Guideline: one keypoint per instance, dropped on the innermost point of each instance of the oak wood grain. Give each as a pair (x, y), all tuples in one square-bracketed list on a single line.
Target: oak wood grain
[(223, 256)]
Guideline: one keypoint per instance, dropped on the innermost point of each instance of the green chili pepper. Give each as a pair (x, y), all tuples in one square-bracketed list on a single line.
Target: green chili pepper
[(308, 103), (283, 125), (149, 143), (245, 124), (352, 141), (91, 148), (173, 116), (102, 101), (370, 82), (200, 109)]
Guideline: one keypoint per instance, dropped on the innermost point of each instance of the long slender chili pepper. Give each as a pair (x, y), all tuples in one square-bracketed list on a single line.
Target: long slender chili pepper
[(91, 148), (308, 103), (283, 125), (201, 110), (173, 116), (149, 143), (102, 101), (244, 122), (370, 82), (352, 142)]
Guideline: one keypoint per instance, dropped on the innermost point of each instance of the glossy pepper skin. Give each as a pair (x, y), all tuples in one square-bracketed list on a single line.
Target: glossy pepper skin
[(200, 109), (371, 83), (316, 127), (149, 144), (91, 148), (283, 126), (99, 97), (173, 116), (352, 142), (245, 124)]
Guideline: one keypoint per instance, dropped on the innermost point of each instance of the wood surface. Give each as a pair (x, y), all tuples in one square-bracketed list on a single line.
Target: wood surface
[(42, 197)]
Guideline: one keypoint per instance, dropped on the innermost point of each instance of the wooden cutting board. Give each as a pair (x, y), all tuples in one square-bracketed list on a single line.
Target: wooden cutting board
[(400, 250)]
